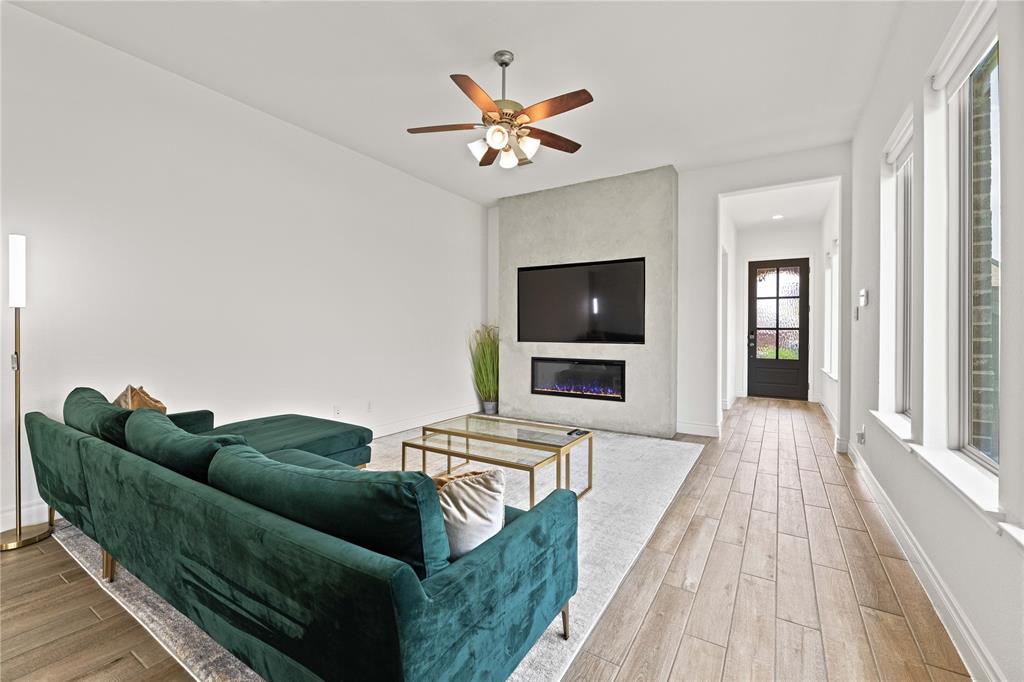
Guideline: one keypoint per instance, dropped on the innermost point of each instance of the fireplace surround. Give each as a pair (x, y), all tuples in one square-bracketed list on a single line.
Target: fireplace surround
[(579, 378)]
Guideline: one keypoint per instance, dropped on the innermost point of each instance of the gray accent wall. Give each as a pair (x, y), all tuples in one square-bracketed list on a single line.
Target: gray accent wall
[(627, 216)]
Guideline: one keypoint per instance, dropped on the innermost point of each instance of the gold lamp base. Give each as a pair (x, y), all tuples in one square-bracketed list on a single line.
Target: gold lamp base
[(30, 535)]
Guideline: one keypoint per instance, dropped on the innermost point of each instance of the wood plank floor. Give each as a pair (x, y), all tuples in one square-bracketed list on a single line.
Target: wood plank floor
[(57, 624), (772, 562)]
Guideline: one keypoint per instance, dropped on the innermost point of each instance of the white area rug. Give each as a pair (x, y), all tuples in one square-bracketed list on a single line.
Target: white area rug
[(635, 479)]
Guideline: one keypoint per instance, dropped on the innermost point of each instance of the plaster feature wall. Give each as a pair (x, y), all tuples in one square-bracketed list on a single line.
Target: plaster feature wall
[(217, 255), (621, 217)]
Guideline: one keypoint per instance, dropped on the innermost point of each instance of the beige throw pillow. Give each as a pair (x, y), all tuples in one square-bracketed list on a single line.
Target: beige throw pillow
[(134, 398), (473, 505)]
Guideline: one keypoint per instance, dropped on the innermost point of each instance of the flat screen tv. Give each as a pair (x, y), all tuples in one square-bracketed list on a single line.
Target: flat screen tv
[(599, 302)]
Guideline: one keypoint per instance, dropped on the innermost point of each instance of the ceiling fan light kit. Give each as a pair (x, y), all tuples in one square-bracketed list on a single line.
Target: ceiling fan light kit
[(509, 135)]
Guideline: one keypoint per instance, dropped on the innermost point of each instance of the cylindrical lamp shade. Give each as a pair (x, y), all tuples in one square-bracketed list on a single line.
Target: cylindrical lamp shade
[(16, 270)]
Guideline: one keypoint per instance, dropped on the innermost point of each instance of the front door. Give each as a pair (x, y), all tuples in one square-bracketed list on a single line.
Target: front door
[(777, 329)]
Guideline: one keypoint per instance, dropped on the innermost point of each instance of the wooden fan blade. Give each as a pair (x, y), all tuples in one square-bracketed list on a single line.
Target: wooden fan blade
[(562, 144), (554, 106), (489, 156), (445, 128), (473, 91)]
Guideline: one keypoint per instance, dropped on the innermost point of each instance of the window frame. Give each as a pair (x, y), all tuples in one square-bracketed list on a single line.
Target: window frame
[(960, 132), (903, 233)]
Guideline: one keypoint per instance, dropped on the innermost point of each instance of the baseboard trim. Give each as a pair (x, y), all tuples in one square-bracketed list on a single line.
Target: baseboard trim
[(34, 511), (842, 444), (699, 429), (976, 656), (419, 420)]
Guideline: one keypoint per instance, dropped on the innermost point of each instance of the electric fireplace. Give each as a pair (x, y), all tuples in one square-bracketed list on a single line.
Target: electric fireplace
[(573, 378)]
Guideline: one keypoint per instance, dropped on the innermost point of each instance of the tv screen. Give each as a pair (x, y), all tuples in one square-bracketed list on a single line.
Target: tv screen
[(583, 302)]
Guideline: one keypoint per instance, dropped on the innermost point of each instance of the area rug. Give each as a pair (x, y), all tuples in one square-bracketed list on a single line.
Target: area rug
[(635, 479)]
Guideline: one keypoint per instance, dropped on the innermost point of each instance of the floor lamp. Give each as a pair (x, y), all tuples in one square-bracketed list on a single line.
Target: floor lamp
[(18, 536)]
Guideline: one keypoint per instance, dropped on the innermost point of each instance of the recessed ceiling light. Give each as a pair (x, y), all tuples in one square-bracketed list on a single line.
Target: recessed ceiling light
[(778, 216)]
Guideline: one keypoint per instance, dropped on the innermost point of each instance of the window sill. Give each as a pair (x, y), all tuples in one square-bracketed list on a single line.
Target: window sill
[(898, 426), (976, 485), (831, 375)]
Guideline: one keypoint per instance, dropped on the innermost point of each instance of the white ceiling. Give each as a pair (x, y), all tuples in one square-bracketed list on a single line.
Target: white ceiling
[(798, 204), (689, 84)]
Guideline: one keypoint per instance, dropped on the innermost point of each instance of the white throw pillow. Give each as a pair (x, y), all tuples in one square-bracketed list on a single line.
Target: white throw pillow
[(473, 505)]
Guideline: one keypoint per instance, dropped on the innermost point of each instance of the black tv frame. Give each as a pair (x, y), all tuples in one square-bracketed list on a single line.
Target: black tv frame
[(643, 284)]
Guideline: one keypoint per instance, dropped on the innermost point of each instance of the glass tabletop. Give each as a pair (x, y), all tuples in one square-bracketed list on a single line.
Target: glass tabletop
[(511, 431), (483, 451)]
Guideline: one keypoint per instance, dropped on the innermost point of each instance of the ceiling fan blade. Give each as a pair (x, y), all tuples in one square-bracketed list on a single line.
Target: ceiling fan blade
[(518, 151), (562, 144), (473, 91), (554, 106), (445, 128), (489, 156)]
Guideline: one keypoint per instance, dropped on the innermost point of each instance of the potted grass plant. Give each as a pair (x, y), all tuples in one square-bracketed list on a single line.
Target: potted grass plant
[(483, 350)]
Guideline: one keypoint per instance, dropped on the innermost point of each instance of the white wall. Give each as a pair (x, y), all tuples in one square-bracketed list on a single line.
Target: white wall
[(770, 243), (967, 561), (700, 399), (220, 257), (626, 216)]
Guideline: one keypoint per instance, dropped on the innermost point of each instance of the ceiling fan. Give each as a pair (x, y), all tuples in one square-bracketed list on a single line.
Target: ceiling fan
[(509, 132)]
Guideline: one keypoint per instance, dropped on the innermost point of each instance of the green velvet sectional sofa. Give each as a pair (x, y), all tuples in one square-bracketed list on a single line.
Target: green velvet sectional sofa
[(302, 566)]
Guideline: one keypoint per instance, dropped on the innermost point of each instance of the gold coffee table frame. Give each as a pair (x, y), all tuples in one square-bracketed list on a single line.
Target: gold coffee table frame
[(438, 438)]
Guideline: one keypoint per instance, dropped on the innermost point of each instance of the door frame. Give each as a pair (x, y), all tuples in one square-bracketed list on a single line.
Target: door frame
[(803, 364)]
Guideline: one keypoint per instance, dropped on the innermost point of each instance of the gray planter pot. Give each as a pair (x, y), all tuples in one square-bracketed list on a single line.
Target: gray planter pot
[(490, 407)]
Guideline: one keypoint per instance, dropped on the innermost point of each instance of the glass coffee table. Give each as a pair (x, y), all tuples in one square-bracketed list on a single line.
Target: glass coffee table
[(523, 445)]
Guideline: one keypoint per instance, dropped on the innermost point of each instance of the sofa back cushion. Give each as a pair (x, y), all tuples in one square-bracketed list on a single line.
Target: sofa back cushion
[(153, 435), (86, 409), (395, 513)]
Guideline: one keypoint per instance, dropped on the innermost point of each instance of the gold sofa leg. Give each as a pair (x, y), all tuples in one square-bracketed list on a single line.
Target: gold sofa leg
[(109, 566), (565, 622)]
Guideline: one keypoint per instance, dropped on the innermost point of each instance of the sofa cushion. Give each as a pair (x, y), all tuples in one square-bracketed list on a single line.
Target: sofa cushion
[(395, 513), (301, 458), (153, 435), (286, 431), (86, 409)]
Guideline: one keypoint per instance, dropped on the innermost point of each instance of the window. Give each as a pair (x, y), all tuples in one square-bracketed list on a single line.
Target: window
[(896, 271), (831, 364), (903, 221), (977, 106)]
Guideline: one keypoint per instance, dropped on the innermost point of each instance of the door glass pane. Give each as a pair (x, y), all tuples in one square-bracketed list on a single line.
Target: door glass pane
[(766, 281), (766, 312), (789, 344), (789, 281), (766, 344), (789, 312)]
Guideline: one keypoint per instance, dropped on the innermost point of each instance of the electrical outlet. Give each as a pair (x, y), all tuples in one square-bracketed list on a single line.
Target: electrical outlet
[(336, 410), (861, 435)]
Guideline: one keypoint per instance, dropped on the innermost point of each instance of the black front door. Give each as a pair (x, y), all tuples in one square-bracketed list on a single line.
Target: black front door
[(777, 329)]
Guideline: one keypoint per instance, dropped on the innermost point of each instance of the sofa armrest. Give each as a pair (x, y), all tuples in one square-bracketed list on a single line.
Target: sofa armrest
[(196, 421), (498, 598)]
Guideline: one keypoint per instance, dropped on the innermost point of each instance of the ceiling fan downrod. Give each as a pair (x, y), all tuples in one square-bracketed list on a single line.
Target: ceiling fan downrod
[(504, 59)]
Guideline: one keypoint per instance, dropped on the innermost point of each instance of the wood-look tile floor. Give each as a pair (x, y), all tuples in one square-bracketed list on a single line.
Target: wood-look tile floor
[(56, 623), (772, 562)]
